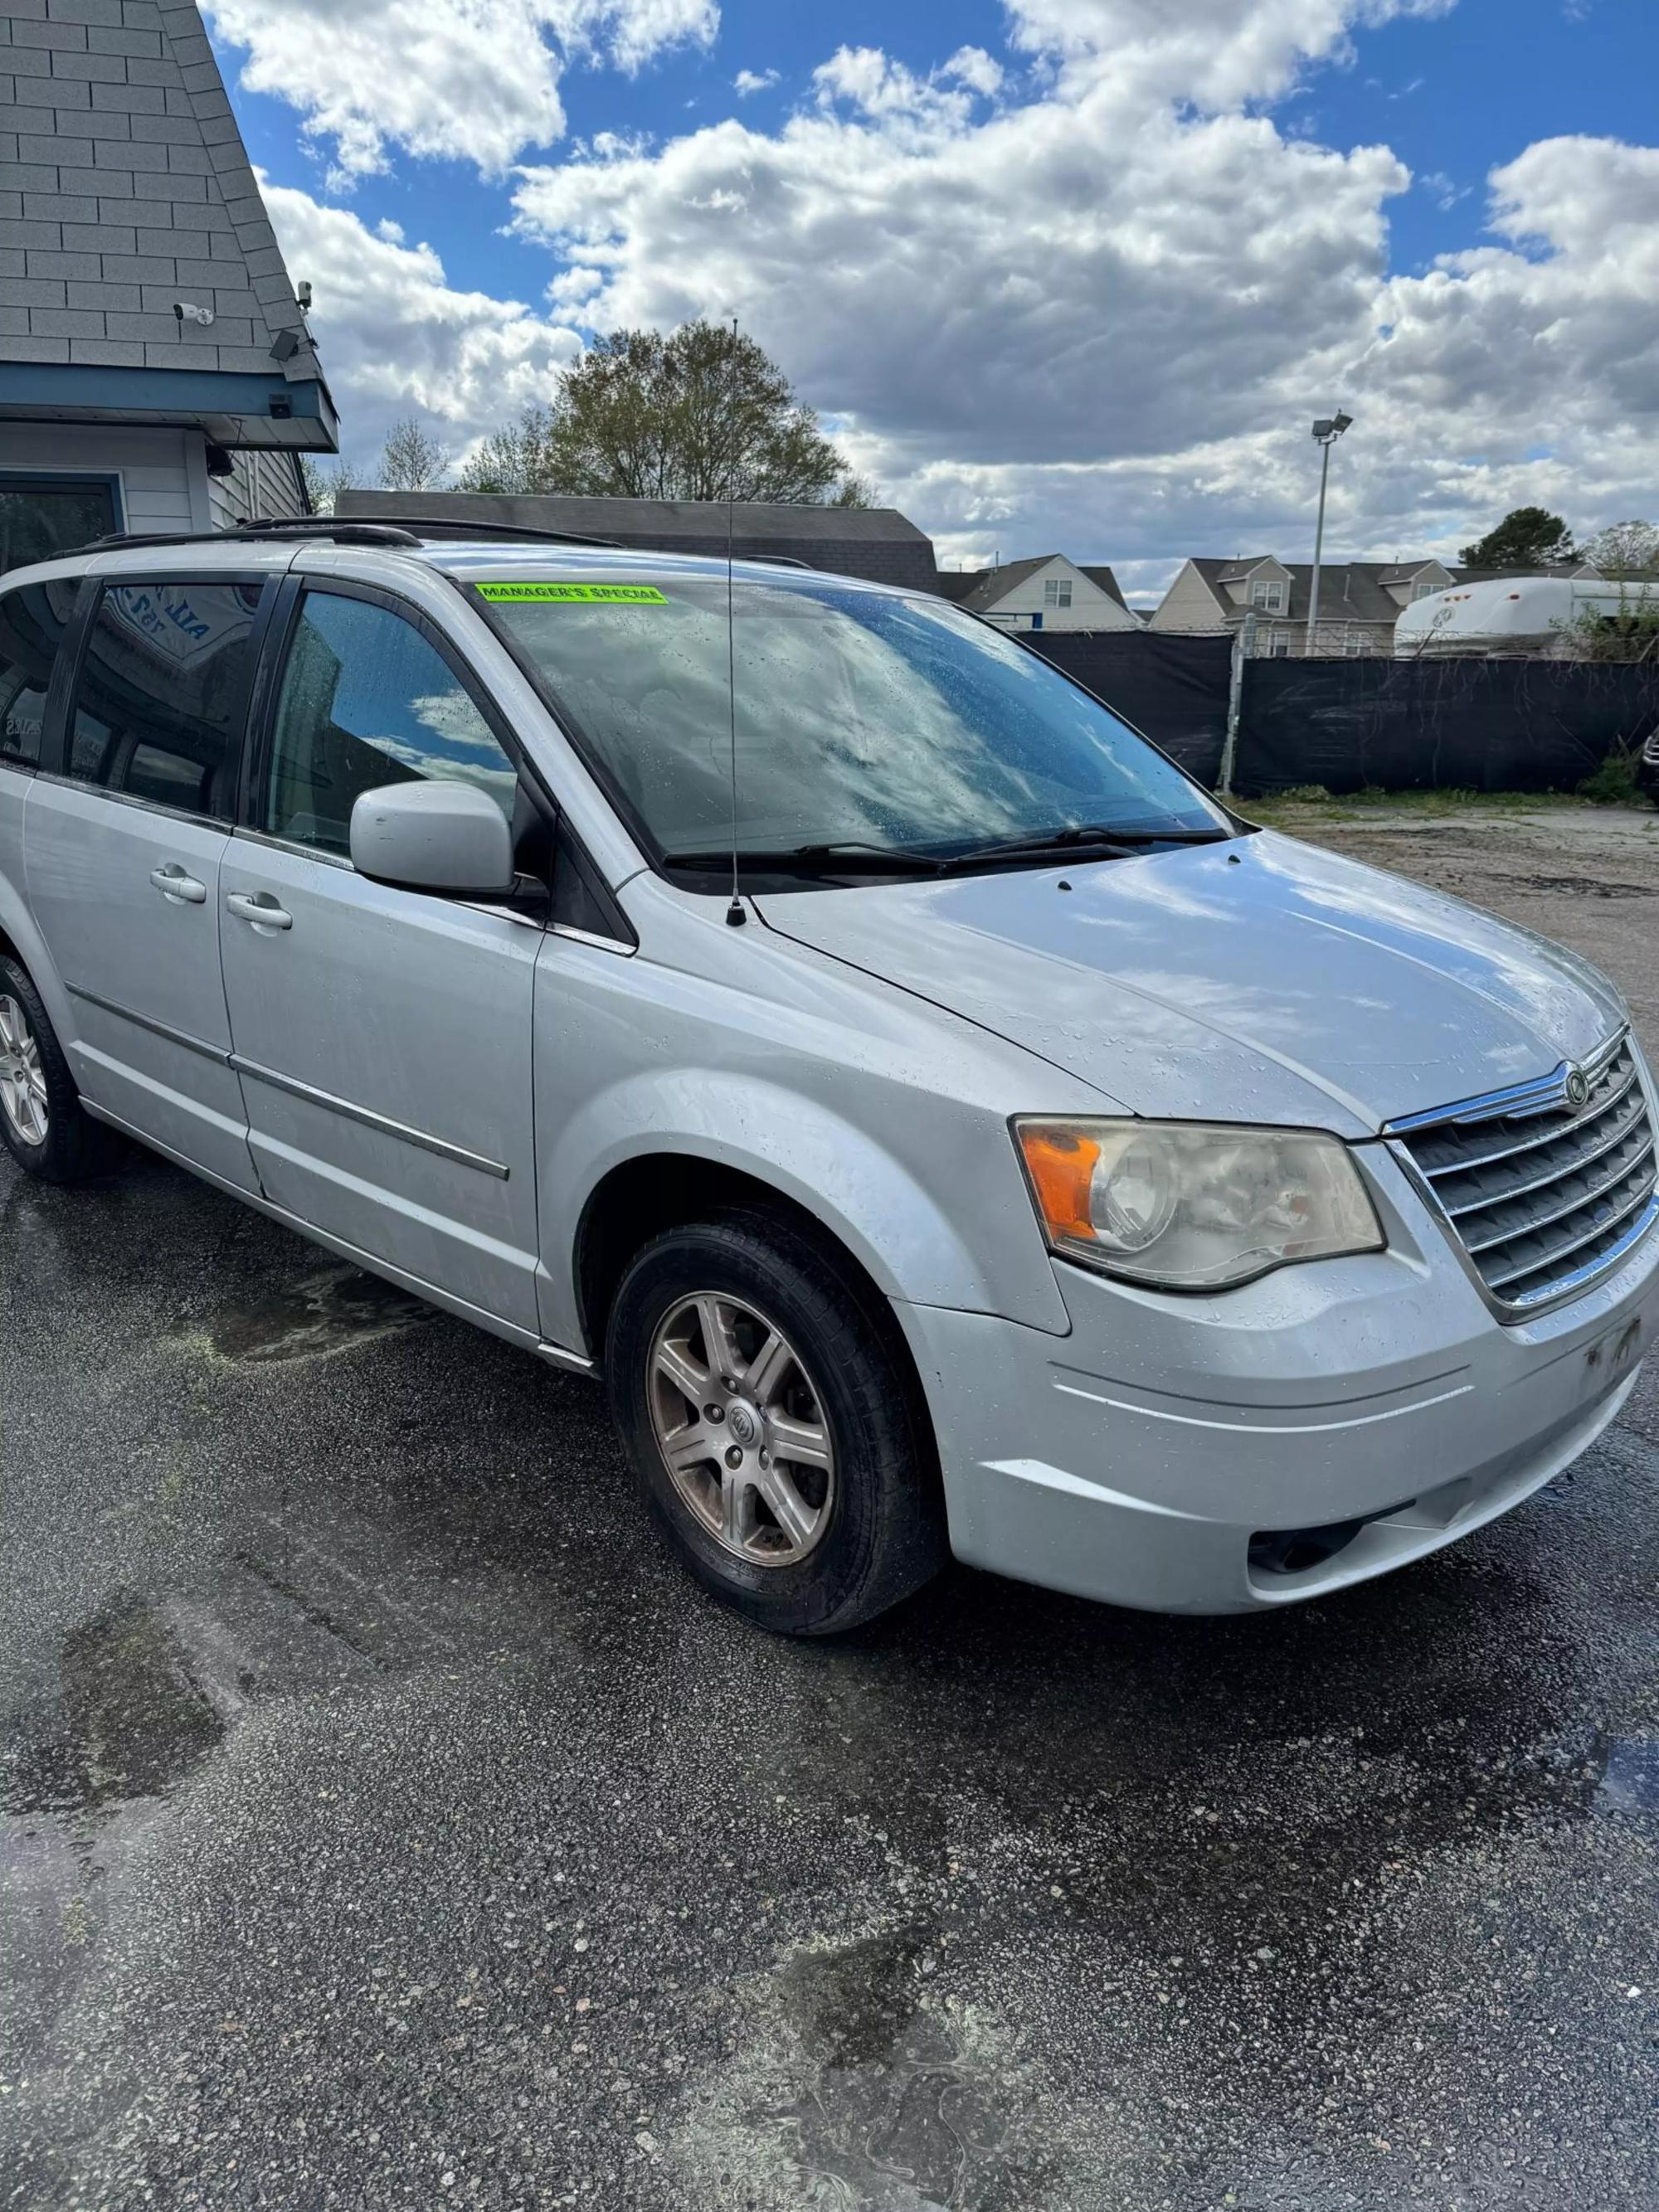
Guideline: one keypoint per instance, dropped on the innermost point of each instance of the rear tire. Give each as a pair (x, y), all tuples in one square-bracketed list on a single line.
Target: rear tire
[(806, 1546), (43, 1124)]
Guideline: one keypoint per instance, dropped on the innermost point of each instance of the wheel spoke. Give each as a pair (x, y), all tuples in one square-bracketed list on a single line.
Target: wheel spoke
[(805, 1443), (718, 1343), (738, 1516), (798, 1520), (764, 1375), (690, 1446), (675, 1361)]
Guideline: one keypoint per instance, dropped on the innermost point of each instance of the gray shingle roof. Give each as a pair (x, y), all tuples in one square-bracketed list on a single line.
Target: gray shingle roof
[(977, 589), (1349, 591), (876, 543), (132, 189)]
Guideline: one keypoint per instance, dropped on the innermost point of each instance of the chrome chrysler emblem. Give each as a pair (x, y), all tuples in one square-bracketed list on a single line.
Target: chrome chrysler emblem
[(1578, 1087)]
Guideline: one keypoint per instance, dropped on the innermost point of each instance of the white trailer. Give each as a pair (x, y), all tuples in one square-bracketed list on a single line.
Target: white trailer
[(1528, 617)]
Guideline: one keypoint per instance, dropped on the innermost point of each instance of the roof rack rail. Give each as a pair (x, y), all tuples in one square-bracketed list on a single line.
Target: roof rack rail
[(443, 525), (296, 526)]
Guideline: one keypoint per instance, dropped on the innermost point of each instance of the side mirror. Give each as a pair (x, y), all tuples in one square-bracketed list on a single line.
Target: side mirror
[(432, 837)]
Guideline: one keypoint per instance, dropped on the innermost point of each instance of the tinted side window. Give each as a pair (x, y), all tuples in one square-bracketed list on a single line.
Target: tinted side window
[(32, 625), (163, 692), (366, 700)]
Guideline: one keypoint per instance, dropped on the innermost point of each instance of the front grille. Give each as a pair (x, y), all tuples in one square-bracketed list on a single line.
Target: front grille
[(1650, 750), (1543, 1195)]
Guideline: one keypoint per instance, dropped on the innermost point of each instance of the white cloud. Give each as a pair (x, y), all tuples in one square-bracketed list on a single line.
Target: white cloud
[(377, 73), (748, 81), (396, 338), (1088, 294)]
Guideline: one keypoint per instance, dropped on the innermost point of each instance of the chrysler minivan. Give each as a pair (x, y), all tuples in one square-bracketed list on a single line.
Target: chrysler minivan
[(946, 1128)]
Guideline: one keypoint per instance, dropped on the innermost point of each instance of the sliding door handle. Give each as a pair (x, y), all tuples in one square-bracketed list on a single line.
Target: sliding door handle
[(173, 884), (259, 908)]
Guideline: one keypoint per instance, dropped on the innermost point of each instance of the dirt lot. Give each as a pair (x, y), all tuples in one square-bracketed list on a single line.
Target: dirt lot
[(384, 1823)]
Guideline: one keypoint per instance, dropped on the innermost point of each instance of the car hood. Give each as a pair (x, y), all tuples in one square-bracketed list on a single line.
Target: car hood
[(1260, 980)]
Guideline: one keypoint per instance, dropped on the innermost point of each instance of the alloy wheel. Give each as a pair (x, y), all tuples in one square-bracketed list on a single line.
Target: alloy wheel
[(742, 1429), (22, 1078)]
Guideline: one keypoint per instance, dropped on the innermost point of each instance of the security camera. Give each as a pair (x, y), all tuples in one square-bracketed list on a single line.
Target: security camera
[(187, 310), (302, 294)]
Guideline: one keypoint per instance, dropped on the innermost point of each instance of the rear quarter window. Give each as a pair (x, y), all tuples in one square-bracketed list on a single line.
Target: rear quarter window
[(33, 621)]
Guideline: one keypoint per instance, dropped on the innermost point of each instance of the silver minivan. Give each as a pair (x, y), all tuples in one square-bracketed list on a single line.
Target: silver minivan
[(947, 1128)]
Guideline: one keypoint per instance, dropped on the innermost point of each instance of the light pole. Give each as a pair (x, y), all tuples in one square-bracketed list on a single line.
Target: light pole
[(1326, 431)]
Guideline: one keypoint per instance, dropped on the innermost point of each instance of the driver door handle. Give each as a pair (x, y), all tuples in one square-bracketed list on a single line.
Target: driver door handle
[(259, 908), (173, 884)]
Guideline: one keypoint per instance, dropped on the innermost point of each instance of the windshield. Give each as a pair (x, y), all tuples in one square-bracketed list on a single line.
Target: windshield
[(863, 720)]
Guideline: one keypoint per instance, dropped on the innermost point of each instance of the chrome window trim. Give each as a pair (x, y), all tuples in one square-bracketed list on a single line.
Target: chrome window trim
[(220, 821), (368, 1118), (292, 845), (213, 1052), (594, 937)]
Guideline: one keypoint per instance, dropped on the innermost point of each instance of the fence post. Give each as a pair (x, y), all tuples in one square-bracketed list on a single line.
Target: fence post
[(1244, 646)]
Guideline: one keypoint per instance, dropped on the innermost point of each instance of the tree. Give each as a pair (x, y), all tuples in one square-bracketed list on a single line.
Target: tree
[(325, 481), (1624, 551), (411, 461), (1527, 538), (690, 416)]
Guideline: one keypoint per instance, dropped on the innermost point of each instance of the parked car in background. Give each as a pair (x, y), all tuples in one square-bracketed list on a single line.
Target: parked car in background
[(944, 1126), (1647, 767)]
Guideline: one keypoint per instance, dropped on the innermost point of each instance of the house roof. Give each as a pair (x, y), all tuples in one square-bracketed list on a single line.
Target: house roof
[(1104, 580), (978, 589), (134, 190), (875, 542), (1353, 591)]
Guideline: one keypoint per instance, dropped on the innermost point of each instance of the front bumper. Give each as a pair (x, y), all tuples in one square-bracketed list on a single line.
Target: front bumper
[(1309, 1430)]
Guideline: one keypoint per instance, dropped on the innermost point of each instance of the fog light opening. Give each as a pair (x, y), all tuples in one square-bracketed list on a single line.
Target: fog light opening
[(1297, 1551)]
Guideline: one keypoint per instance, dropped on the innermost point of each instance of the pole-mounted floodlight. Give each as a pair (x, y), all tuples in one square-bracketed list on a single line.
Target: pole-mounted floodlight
[(1327, 431)]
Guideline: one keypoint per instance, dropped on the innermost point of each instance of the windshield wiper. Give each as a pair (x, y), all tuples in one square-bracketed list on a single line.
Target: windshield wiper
[(857, 857), (1102, 838)]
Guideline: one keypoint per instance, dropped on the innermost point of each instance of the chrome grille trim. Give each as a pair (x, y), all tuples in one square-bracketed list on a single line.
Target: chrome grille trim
[(1583, 1192)]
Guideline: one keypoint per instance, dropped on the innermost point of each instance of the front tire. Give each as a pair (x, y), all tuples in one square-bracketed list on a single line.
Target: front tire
[(776, 1434), (43, 1124)]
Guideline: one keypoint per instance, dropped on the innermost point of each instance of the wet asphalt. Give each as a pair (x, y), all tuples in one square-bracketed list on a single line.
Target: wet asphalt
[(384, 1821)]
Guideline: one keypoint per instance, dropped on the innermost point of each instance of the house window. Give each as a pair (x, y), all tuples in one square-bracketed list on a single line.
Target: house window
[(1269, 597), (41, 516), (1355, 641), (1426, 591), (1057, 592), (1279, 645)]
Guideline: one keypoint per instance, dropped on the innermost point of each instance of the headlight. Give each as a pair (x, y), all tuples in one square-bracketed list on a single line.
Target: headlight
[(1184, 1205)]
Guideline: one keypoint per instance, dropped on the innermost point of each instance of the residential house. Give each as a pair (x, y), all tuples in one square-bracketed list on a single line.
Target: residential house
[(876, 543), (1359, 601), (1048, 593), (155, 371)]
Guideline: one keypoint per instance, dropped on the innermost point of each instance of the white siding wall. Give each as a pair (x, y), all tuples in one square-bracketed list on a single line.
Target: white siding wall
[(1189, 605), (163, 473), (1090, 607)]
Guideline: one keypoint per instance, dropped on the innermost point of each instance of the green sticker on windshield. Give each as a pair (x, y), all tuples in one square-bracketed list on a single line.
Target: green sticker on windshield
[(632, 595)]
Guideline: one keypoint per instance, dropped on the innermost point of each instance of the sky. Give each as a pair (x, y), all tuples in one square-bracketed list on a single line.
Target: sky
[(1058, 275)]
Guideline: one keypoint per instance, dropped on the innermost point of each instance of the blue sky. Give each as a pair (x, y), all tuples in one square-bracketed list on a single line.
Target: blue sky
[(1035, 375)]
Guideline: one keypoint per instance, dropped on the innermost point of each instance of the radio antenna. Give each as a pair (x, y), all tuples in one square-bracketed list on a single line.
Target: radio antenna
[(736, 915)]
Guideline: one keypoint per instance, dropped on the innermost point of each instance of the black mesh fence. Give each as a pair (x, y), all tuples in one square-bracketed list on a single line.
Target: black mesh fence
[(1453, 724), (1173, 689)]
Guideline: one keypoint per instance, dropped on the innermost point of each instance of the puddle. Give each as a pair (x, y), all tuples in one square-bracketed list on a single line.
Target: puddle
[(1630, 1777), (855, 2085), (324, 1312), (132, 1721)]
